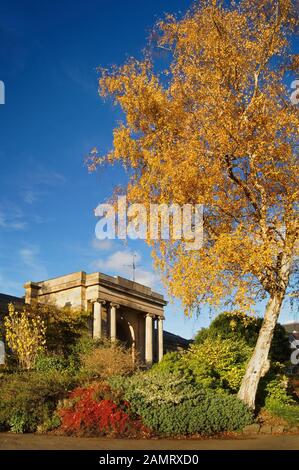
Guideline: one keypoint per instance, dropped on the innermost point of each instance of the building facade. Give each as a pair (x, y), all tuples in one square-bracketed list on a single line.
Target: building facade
[(120, 309)]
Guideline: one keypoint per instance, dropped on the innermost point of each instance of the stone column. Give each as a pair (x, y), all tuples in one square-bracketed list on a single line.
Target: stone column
[(160, 338), (149, 339), (97, 318), (113, 308)]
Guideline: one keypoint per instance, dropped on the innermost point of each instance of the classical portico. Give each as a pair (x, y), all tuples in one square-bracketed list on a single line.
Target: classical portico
[(120, 309)]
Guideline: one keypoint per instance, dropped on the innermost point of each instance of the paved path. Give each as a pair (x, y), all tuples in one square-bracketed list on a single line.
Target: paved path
[(49, 442)]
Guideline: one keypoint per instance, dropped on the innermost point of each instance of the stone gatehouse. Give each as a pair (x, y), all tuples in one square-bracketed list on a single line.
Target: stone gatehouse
[(120, 309)]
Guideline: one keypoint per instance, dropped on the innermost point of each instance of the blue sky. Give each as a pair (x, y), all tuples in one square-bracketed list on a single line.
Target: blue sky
[(53, 116)]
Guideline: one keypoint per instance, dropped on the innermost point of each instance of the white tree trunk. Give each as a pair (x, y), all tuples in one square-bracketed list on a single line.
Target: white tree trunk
[(259, 364)]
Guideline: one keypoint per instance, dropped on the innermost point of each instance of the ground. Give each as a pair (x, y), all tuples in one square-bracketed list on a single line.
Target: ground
[(49, 442)]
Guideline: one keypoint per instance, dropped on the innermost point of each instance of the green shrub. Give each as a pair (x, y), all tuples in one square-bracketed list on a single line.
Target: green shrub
[(287, 411), (275, 386), (171, 362), (223, 360), (215, 363), (237, 325), (170, 405), (45, 363), (53, 362), (28, 400), (84, 345), (277, 389), (220, 363), (205, 414), (155, 387)]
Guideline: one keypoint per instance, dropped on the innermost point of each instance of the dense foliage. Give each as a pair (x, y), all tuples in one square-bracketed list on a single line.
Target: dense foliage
[(65, 327), (96, 410), (188, 392), (215, 363), (219, 363), (28, 400), (170, 405), (241, 326), (218, 360), (104, 360)]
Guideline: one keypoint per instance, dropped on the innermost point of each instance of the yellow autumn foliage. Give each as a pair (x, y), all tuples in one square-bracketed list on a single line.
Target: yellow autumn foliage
[(25, 336), (216, 127)]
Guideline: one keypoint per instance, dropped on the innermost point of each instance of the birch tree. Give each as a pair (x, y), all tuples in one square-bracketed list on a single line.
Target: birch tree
[(217, 127)]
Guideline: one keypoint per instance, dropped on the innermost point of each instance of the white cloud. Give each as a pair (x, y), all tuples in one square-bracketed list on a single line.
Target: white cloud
[(147, 278), (120, 263), (36, 182), (102, 245), (30, 196), (46, 177), (11, 217), (17, 225), (35, 269)]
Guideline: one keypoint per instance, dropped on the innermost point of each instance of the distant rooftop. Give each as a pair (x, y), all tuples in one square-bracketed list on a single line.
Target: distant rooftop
[(292, 327), (6, 299), (292, 330), (174, 342)]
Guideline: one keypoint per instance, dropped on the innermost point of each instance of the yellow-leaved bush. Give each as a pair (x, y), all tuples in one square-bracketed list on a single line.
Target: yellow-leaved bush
[(25, 336)]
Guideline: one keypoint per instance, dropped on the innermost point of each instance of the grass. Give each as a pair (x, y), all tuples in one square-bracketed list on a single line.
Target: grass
[(289, 413)]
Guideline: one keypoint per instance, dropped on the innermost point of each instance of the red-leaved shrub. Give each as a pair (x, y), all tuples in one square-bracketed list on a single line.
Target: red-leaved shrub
[(89, 411)]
